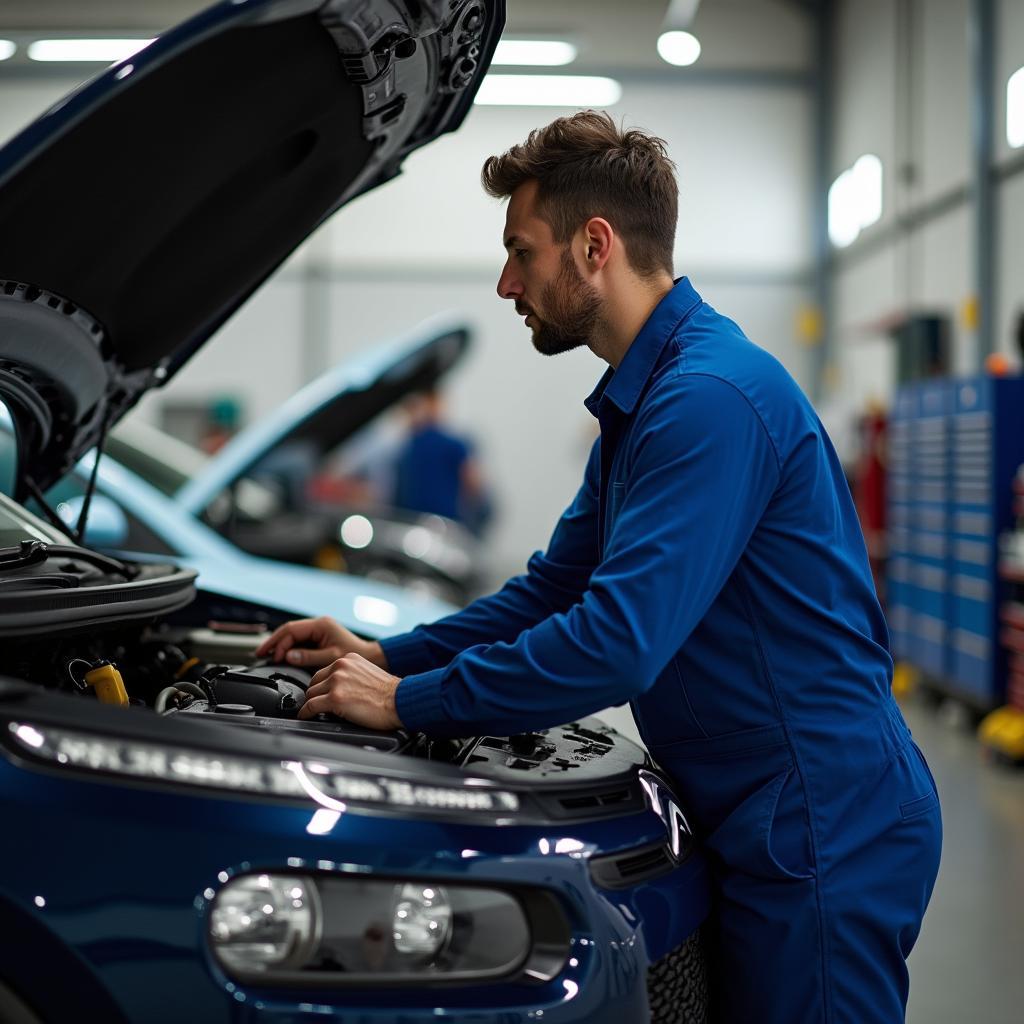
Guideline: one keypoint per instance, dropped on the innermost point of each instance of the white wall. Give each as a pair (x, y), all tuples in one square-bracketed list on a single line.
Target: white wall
[(1010, 289), (743, 188), (904, 94), (1009, 57)]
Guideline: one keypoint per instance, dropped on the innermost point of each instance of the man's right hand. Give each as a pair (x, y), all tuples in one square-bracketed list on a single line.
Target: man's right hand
[(313, 643)]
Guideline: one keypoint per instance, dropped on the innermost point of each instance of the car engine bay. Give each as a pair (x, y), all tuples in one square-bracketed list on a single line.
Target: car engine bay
[(209, 673)]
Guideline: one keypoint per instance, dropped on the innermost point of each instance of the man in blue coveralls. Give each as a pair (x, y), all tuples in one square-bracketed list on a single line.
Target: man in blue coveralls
[(711, 571)]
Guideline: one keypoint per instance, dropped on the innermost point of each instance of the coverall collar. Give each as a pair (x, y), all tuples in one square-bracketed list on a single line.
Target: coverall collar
[(623, 386)]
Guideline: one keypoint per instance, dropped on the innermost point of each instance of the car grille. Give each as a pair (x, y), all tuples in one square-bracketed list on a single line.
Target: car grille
[(677, 985), (622, 870)]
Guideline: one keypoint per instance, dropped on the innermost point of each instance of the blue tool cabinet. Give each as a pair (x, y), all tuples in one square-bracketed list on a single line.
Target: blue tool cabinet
[(954, 447)]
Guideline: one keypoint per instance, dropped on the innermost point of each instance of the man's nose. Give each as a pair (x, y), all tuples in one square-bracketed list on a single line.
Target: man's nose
[(509, 285)]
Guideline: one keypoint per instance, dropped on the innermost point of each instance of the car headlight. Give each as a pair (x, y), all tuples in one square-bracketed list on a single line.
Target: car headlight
[(334, 786), (422, 920), (306, 930), (265, 921)]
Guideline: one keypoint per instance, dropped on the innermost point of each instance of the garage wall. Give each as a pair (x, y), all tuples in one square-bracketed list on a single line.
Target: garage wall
[(903, 93), (431, 241)]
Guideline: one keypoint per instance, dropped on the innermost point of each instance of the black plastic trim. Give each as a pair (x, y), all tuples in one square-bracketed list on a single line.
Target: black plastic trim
[(550, 934), (633, 867)]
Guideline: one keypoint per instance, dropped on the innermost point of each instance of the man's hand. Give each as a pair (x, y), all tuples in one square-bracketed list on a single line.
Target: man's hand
[(355, 689), (316, 642)]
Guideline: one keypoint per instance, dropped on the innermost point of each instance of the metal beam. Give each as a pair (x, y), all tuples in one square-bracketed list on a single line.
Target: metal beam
[(824, 46), (982, 44)]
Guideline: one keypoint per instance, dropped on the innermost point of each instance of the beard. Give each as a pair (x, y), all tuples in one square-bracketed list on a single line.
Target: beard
[(572, 311)]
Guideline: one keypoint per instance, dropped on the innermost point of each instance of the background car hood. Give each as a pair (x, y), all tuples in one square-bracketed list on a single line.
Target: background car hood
[(336, 404), (141, 211)]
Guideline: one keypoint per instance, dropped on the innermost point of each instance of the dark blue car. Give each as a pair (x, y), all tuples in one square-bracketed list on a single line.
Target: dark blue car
[(176, 845)]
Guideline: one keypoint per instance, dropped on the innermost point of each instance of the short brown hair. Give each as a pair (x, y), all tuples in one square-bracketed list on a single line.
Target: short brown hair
[(585, 166)]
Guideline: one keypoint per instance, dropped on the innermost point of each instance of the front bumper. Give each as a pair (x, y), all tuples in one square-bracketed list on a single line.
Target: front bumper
[(110, 887)]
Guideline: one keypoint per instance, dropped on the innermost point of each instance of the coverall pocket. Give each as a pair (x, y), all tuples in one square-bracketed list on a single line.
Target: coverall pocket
[(922, 805), (767, 835)]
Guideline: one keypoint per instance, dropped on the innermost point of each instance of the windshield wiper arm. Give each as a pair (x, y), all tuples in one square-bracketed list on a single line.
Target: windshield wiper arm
[(32, 552)]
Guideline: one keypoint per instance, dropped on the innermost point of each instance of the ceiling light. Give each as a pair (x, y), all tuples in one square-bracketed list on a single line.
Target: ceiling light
[(548, 91), (679, 48), (106, 51), (539, 52), (7, 49), (1015, 109)]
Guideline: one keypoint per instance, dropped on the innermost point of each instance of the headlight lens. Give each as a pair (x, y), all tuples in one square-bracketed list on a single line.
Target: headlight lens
[(325, 930), (422, 920), (264, 921)]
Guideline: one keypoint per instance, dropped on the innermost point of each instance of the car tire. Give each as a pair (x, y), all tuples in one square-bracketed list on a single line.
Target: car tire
[(13, 1010), (677, 985)]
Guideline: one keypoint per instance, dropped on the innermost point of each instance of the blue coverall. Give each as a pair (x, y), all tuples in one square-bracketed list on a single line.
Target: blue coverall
[(711, 570)]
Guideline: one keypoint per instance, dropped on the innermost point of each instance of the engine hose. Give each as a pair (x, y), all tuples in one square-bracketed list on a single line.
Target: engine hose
[(163, 698)]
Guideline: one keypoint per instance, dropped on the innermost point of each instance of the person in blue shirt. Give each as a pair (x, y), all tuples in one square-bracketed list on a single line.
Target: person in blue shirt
[(710, 571), (437, 472)]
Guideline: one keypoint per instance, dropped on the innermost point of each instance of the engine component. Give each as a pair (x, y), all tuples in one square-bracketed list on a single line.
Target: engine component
[(108, 684)]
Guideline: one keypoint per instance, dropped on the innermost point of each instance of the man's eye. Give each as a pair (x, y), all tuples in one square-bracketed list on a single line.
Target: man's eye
[(520, 253)]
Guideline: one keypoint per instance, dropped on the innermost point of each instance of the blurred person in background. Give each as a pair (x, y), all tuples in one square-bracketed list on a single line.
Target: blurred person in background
[(436, 471)]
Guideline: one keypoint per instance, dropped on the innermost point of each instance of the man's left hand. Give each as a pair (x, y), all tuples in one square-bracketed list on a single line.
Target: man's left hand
[(355, 689)]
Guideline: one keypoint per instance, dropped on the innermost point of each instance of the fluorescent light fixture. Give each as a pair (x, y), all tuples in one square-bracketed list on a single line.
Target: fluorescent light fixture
[(7, 49), (106, 51), (1015, 109), (855, 200), (679, 48), (548, 91), (539, 52)]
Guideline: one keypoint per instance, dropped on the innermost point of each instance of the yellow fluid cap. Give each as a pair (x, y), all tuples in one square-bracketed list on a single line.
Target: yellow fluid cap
[(109, 685)]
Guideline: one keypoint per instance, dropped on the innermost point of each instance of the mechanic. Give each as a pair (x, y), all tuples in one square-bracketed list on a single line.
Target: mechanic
[(436, 471), (712, 572)]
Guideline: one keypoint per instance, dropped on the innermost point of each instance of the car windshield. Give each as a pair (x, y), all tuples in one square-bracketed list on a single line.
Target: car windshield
[(161, 460), (169, 463), (295, 475)]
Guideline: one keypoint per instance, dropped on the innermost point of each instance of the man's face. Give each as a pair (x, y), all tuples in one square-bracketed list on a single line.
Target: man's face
[(541, 276)]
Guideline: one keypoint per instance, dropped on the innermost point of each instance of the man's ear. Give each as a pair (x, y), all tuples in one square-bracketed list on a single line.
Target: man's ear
[(598, 239)]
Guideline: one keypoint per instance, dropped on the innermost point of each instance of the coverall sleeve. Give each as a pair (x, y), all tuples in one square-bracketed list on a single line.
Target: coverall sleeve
[(555, 579), (702, 473)]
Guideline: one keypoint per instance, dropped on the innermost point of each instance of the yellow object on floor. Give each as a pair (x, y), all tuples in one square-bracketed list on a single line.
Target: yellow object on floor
[(904, 679), (1002, 730)]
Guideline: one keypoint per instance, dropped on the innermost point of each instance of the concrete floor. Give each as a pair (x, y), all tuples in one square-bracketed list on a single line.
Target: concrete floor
[(968, 965)]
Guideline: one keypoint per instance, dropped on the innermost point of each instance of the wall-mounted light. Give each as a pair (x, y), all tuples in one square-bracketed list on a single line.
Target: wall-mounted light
[(534, 52), (548, 91), (676, 44), (855, 200), (1015, 109), (106, 51), (7, 49)]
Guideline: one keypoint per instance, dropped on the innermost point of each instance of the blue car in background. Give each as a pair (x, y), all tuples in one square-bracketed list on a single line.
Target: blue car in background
[(258, 492), (178, 844)]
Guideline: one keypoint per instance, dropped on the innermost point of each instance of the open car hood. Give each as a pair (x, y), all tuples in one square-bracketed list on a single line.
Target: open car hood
[(138, 213), (335, 405)]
